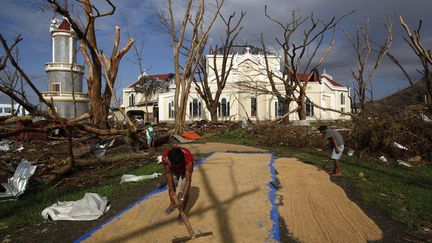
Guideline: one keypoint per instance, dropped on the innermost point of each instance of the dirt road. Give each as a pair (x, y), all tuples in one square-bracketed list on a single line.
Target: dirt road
[(230, 197), (317, 210)]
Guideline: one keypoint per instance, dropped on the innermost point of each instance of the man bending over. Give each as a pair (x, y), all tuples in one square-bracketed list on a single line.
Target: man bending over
[(178, 164), (337, 146)]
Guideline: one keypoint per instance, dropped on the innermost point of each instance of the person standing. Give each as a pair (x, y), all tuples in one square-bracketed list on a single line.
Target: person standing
[(337, 147), (178, 164), (150, 134)]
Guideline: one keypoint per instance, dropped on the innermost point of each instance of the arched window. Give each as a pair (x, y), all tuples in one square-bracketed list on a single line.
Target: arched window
[(309, 108), (278, 108), (195, 108), (253, 106), (131, 100), (199, 109), (171, 111), (224, 108)]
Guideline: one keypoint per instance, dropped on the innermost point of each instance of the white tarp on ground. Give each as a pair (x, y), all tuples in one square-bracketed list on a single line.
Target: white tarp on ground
[(90, 207), (17, 184), (128, 178), (4, 145)]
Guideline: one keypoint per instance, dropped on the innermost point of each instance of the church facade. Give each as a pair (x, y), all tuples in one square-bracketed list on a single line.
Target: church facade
[(240, 100)]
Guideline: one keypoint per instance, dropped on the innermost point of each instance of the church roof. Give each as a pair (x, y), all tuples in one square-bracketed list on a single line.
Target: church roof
[(241, 49), (161, 77), (304, 76), (65, 25), (333, 81)]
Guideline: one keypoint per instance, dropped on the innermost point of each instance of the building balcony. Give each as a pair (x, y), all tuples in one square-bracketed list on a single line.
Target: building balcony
[(63, 66), (64, 95)]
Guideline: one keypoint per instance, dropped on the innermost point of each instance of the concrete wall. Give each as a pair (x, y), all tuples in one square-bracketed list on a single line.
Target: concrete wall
[(61, 54), (65, 80), (66, 108)]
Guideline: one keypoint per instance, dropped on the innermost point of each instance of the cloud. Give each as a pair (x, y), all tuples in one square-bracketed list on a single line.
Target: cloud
[(24, 17)]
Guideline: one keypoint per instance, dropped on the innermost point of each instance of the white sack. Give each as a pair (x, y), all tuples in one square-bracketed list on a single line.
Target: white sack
[(129, 178), (90, 207)]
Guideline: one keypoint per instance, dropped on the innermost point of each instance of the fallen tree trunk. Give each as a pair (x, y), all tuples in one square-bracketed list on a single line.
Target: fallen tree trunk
[(82, 163)]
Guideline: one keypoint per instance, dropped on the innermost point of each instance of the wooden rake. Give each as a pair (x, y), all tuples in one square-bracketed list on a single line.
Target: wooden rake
[(192, 234)]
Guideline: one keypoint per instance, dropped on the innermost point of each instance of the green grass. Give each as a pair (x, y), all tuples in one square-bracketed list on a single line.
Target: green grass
[(236, 136), (404, 193), (26, 211)]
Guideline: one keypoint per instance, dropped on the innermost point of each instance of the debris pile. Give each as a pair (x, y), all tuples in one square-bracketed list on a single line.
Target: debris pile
[(271, 134), (93, 156), (400, 136)]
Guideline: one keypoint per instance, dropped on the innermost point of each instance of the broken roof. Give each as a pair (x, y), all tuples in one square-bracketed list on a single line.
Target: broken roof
[(161, 77)]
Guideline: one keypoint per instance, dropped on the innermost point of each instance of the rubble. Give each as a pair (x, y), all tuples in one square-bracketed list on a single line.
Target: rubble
[(181, 139), (403, 163), (129, 178), (383, 159), (93, 156), (4, 145), (398, 135), (399, 146), (425, 118), (17, 184)]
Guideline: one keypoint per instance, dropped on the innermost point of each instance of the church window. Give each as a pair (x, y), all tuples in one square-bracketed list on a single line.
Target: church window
[(195, 108), (309, 108), (253, 106), (224, 108), (171, 111), (131, 100)]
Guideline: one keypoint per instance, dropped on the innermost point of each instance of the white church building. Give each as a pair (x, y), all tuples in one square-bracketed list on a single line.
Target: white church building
[(239, 101)]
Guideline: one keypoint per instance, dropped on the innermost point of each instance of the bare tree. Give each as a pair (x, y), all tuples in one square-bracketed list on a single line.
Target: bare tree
[(20, 97), (367, 51), (301, 59), (191, 45), (414, 41), (54, 120), (149, 88), (221, 71), (10, 79), (100, 94)]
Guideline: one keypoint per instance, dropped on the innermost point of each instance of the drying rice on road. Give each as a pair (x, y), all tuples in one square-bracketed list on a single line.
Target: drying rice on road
[(317, 210), (229, 196)]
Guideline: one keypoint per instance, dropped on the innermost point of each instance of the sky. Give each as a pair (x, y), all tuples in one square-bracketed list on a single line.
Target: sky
[(137, 19)]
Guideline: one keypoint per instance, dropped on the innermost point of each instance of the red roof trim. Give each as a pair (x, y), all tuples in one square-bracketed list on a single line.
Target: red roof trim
[(65, 25), (163, 77), (303, 77), (333, 82)]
